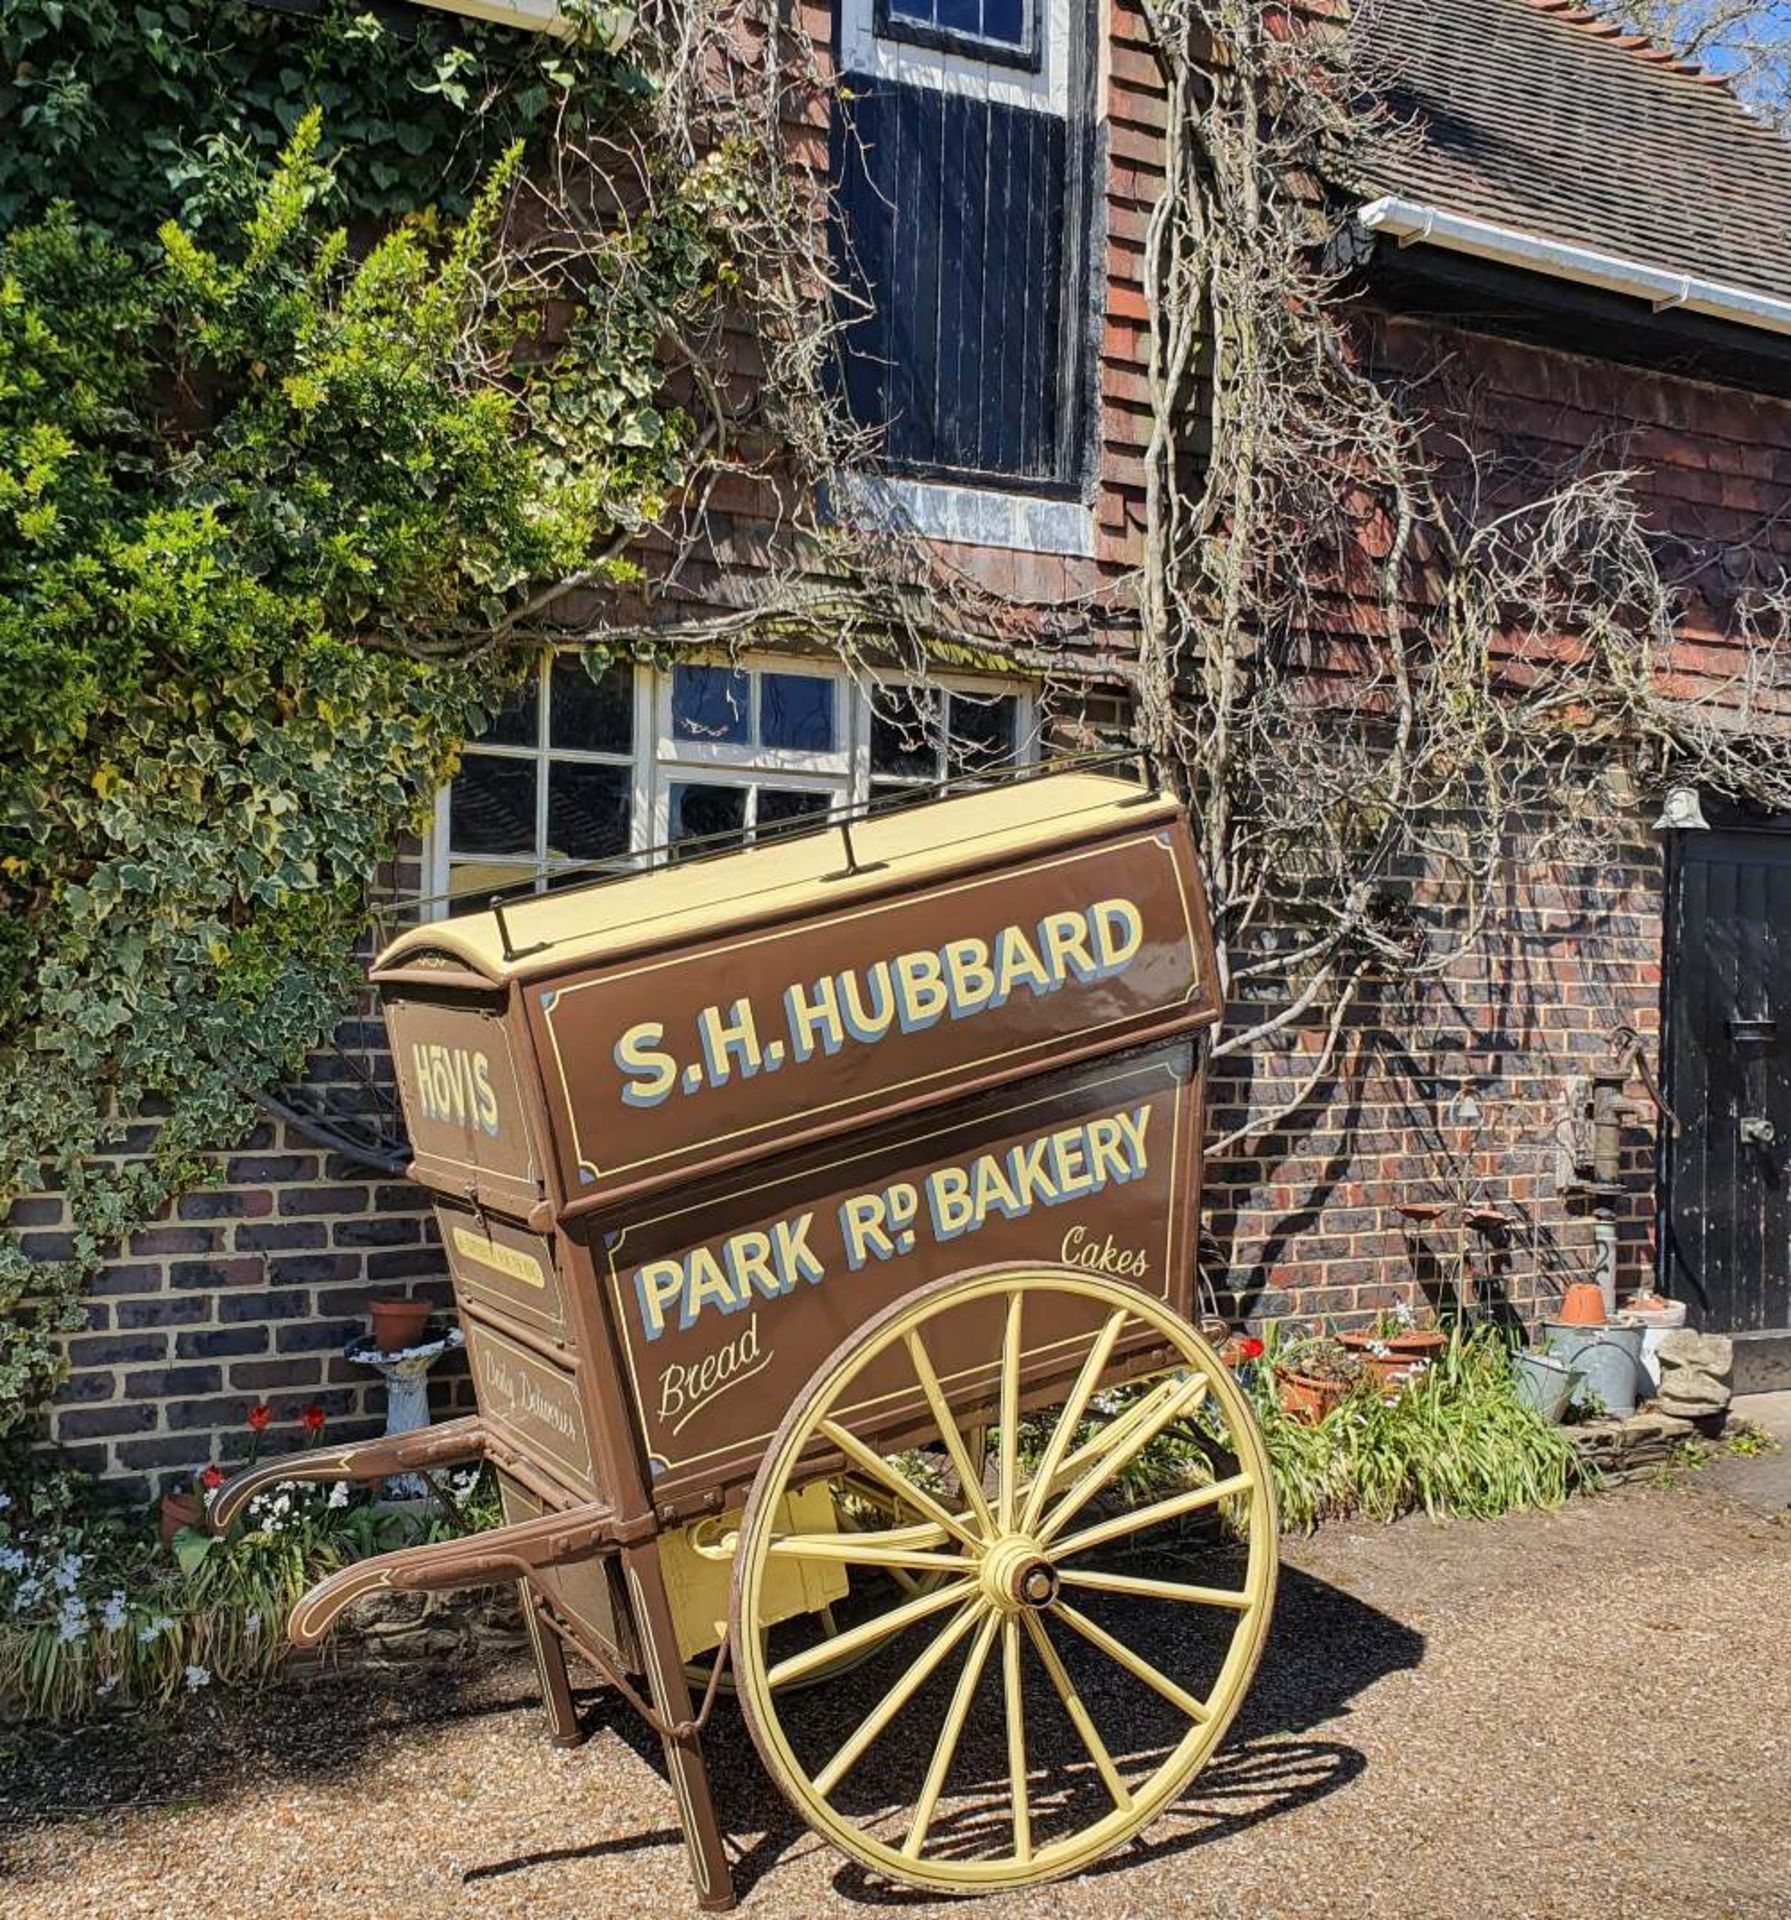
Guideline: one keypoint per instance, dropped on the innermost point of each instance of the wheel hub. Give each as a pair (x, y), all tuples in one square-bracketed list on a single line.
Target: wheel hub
[(1017, 1575)]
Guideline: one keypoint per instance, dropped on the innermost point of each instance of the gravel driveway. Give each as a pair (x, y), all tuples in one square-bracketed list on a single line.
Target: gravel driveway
[(1575, 1714)]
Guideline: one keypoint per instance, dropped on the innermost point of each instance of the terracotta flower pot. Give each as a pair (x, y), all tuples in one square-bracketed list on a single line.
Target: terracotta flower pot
[(398, 1324), (1308, 1400), (1582, 1305), (184, 1509), (1403, 1354)]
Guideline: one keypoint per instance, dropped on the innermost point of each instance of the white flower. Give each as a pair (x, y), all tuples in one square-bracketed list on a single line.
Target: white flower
[(68, 1572), (27, 1591), (12, 1560), (5, 1501), (159, 1625), (338, 1495), (252, 1624), (197, 1677), (112, 1615), (107, 1684)]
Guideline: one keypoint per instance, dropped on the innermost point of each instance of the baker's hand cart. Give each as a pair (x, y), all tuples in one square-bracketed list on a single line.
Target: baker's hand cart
[(821, 1219)]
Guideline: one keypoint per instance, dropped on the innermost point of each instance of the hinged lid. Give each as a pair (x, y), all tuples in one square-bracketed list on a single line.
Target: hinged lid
[(704, 1014)]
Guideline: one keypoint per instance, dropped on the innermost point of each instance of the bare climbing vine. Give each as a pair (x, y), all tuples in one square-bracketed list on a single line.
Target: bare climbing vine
[(1382, 659)]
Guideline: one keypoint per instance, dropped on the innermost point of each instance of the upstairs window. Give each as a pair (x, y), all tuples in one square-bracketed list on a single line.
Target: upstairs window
[(961, 161), (999, 30)]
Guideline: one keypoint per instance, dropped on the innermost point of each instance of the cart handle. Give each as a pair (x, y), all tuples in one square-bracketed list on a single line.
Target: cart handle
[(515, 1552), (449, 1444)]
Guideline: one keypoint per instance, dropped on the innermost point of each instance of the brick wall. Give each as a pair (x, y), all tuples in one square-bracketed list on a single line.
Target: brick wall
[(1452, 1093), (248, 1293)]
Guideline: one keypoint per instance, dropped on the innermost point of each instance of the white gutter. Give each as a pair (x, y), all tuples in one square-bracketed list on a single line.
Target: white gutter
[(1411, 223)]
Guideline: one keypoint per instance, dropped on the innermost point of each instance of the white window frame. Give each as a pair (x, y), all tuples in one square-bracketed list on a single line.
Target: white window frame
[(543, 753), (864, 50), (717, 754), (658, 759)]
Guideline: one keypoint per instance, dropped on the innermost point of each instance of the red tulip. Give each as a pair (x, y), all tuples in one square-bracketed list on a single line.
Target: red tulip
[(212, 1478), (311, 1418), (1250, 1348), (259, 1416)]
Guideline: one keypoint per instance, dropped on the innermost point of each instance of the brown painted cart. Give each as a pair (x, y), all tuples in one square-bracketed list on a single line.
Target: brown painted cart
[(821, 1219)]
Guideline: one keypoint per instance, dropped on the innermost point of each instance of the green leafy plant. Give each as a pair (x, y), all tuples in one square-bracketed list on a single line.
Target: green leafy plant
[(269, 491), (1748, 1440), (1455, 1442), (95, 1614), (125, 108)]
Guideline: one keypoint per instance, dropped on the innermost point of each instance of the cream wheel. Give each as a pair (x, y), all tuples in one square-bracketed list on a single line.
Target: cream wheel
[(1043, 1655)]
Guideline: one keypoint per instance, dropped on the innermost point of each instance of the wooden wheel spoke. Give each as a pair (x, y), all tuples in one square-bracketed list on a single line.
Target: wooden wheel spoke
[(923, 1535), (969, 1473), (862, 1550), (1159, 1511), (1144, 1589), (1135, 1664), (1072, 1705), (1071, 1417), (949, 1735), (868, 1633), (1014, 1693), (1010, 1411), (1104, 1439), (868, 1460), (894, 1700), (1116, 1459)]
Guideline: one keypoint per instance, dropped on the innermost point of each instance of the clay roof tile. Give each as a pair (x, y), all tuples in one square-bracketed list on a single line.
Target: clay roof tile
[(1540, 115)]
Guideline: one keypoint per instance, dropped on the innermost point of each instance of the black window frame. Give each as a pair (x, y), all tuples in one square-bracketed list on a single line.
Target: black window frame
[(1028, 57)]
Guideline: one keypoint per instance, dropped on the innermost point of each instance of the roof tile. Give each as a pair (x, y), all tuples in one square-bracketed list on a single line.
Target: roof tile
[(1539, 115)]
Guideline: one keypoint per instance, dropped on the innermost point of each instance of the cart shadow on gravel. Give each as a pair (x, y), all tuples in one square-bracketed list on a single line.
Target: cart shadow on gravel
[(1325, 1648), (1281, 1753)]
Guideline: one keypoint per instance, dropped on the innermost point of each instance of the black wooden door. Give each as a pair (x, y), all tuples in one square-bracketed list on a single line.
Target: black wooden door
[(952, 222), (1727, 1055)]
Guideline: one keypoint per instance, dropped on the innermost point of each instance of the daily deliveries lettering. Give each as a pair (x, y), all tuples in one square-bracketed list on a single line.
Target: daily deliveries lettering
[(906, 994), (765, 1264)]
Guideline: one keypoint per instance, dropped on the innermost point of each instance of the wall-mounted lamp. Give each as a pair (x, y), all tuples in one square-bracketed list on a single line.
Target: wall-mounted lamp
[(1681, 813)]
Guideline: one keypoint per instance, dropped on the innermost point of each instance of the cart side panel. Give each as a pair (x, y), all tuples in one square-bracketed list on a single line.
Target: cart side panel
[(588, 1592), (470, 1101), (725, 1299), (672, 1066), (538, 1404), (544, 1365), (505, 1272)]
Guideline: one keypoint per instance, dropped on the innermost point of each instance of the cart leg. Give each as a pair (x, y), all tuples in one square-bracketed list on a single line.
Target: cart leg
[(683, 1758), (550, 1664)]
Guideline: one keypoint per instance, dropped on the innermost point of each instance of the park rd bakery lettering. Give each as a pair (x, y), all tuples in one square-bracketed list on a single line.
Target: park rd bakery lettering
[(906, 993), (764, 1264)]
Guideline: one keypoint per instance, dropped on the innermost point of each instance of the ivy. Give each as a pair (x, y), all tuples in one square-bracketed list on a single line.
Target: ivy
[(127, 108), (272, 477)]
